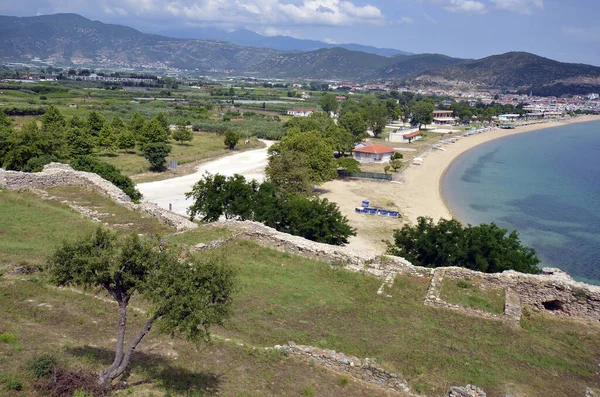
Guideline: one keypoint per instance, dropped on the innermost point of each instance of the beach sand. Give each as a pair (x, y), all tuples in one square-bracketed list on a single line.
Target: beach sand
[(419, 194)]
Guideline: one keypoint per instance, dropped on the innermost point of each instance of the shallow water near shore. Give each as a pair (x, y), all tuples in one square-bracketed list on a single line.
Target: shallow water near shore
[(545, 184)]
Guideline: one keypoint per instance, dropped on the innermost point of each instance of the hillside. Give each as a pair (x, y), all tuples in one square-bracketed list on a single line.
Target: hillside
[(70, 39), (248, 38), (283, 297), (519, 71), (73, 39)]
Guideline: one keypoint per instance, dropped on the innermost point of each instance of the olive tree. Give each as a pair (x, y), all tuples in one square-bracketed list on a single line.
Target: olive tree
[(185, 297)]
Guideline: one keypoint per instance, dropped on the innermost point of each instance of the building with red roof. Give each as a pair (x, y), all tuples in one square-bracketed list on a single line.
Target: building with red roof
[(373, 153)]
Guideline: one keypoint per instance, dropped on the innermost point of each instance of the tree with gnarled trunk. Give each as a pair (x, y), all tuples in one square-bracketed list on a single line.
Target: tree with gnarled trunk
[(185, 297)]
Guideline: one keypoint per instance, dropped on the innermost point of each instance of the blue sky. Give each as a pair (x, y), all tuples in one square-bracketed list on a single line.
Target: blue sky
[(565, 30)]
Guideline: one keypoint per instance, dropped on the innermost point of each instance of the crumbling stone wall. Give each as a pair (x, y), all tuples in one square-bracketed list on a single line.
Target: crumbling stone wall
[(56, 174), (552, 290)]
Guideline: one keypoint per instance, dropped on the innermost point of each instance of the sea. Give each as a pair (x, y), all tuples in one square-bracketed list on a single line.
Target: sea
[(545, 184)]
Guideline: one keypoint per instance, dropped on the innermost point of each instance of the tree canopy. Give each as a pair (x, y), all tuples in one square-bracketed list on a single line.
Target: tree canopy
[(184, 297), (485, 248), (310, 149), (235, 198)]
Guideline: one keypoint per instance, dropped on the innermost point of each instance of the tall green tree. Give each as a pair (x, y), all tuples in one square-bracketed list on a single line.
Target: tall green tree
[(354, 122), (182, 134), (328, 103), (136, 125), (95, 122), (231, 139), (422, 114), (79, 142), (156, 153), (184, 297), (107, 139), (312, 149)]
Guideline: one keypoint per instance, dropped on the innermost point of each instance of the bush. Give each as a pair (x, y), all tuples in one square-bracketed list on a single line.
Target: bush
[(42, 366), (11, 382), (36, 164), (108, 172), (11, 339), (485, 248)]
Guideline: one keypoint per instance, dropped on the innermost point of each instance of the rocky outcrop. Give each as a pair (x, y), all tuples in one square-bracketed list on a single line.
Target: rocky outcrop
[(466, 391), (57, 174)]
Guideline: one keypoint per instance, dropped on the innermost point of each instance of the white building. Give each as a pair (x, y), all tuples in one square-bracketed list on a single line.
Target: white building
[(300, 112)]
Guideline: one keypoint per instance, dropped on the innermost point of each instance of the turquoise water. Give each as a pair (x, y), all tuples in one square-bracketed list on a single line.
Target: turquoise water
[(545, 184)]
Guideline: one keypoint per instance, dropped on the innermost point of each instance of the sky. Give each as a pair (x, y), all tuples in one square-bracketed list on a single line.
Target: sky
[(565, 30)]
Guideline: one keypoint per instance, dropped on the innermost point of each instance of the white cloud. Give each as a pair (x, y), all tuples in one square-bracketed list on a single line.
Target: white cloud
[(466, 6), (406, 20), (431, 19), (275, 12), (519, 6)]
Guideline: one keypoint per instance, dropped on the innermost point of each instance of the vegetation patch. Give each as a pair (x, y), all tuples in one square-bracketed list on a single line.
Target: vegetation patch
[(472, 293)]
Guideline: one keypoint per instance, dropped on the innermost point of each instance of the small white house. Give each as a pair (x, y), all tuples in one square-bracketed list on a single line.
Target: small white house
[(300, 112), (373, 154)]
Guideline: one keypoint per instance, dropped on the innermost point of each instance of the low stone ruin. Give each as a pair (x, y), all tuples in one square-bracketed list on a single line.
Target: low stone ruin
[(57, 174)]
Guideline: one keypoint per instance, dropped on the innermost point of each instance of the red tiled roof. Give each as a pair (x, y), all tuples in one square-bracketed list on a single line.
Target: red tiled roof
[(412, 134), (375, 149)]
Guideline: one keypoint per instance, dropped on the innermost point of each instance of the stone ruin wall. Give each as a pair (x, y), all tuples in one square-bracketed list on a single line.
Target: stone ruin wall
[(56, 174), (552, 291)]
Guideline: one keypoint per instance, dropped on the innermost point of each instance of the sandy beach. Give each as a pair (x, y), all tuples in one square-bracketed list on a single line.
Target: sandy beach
[(421, 187), (419, 194)]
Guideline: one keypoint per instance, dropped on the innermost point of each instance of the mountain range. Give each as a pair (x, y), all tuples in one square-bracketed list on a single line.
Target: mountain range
[(70, 39), (248, 38)]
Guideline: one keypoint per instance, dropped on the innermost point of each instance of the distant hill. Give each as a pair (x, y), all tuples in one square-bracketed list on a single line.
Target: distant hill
[(286, 43), (70, 39), (520, 71)]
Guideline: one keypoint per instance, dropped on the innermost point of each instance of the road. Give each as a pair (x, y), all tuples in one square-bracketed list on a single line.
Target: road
[(250, 164)]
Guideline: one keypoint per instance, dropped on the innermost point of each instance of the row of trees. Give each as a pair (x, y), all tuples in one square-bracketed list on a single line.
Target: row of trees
[(62, 139), (235, 198)]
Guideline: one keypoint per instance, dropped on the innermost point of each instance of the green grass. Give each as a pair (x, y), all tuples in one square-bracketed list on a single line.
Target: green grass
[(471, 294), (205, 145), (203, 234), (111, 213), (32, 227), (77, 330), (284, 297)]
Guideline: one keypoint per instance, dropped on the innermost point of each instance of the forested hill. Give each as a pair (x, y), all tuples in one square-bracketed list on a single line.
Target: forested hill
[(520, 71), (70, 39)]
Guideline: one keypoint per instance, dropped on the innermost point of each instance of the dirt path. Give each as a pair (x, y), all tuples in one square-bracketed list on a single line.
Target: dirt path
[(251, 164)]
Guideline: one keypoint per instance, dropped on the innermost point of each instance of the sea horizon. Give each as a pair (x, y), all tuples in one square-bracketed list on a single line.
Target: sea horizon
[(545, 184)]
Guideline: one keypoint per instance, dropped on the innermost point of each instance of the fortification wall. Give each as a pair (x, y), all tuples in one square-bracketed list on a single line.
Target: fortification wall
[(552, 290), (56, 174)]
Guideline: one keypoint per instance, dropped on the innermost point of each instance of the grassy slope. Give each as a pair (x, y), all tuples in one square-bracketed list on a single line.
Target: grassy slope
[(469, 293), (285, 297)]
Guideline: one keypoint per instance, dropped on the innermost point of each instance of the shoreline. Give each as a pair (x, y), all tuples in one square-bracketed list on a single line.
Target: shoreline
[(421, 191)]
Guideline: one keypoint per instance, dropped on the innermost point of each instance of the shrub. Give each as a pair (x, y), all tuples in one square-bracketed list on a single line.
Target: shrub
[(11, 382), (485, 248), (42, 366), (36, 164), (10, 339), (108, 172)]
